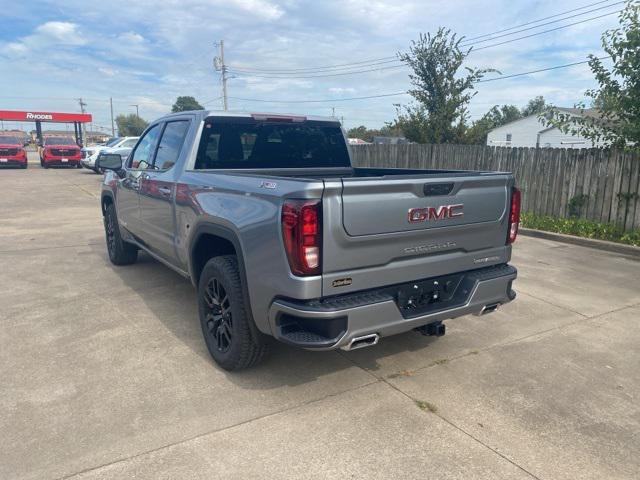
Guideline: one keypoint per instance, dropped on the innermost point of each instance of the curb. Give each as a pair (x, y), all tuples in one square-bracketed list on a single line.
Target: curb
[(583, 242)]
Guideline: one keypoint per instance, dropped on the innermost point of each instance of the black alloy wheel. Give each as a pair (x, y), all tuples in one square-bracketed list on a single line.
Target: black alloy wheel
[(218, 315)]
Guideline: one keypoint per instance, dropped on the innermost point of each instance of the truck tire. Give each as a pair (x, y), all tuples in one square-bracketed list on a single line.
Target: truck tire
[(120, 252), (224, 318)]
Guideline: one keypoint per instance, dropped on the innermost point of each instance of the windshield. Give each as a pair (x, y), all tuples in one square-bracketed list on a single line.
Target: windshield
[(112, 142), (10, 140), (249, 143), (59, 141)]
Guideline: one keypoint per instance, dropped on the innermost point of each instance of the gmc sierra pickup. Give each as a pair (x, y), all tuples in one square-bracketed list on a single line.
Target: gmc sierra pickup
[(284, 238)]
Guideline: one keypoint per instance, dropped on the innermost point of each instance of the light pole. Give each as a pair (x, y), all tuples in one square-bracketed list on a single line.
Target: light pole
[(135, 105)]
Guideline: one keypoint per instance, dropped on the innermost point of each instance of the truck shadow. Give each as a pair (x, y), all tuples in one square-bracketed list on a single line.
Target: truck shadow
[(171, 299)]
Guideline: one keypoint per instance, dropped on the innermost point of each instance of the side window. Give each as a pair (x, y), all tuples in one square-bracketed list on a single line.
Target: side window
[(171, 144), (129, 143), (142, 157)]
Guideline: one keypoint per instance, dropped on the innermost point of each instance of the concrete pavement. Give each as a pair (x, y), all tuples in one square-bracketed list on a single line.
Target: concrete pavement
[(105, 374)]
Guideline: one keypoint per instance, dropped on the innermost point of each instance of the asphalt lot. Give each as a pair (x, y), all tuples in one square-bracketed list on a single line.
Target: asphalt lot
[(105, 374)]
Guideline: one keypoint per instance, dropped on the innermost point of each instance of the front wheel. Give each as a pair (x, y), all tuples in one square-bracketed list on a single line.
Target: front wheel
[(224, 318), (120, 252)]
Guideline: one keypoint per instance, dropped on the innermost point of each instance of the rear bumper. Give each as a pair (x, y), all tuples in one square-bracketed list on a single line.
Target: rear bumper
[(13, 162), (334, 323), (57, 162)]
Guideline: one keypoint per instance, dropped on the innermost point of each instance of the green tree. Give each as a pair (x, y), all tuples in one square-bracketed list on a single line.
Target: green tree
[(183, 104), (361, 132), (130, 125), (440, 92), (535, 106), (618, 94)]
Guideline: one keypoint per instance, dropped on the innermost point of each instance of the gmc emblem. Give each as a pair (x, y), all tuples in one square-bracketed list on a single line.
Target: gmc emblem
[(442, 212)]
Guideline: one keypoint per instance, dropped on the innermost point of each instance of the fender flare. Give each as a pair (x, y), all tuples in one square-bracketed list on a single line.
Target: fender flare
[(103, 195), (231, 236)]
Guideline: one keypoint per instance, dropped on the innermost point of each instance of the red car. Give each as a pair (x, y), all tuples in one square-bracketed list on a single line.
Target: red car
[(59, 152), (12, 152)]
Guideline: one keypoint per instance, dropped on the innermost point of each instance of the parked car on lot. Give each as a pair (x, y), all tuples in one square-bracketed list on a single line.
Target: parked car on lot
[(284, 238), (12, 152), (60, 152), (90, 154)]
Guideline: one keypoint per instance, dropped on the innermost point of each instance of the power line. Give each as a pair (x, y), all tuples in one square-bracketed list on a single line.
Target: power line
[(542, 25), (320, 101), (321, 75), (391, 59), (329, 100), (545, 31), (503, 77), (542, 19), (353, 72)]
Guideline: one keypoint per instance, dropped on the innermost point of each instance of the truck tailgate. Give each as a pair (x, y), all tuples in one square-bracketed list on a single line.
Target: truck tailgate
[(371, 207), (386, 230)]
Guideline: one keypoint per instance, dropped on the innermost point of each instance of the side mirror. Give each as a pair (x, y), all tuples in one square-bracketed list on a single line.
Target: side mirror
[(109, 161)]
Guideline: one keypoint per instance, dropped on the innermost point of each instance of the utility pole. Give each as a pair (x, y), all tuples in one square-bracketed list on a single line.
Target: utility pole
[(333, 112), (113, 130), (82, 104), (80, 124), (220, 66), (135, 105)]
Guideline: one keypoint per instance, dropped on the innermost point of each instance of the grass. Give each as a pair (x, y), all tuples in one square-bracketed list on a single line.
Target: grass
[(581, 228), (426, 406)]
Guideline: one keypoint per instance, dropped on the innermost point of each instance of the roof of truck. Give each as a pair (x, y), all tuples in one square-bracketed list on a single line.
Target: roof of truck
[(222, 113)]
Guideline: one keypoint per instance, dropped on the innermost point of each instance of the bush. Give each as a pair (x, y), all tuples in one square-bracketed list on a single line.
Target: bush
[(580, 227)]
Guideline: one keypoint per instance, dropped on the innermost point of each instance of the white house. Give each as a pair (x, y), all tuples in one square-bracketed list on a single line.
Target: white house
[(531, 132)]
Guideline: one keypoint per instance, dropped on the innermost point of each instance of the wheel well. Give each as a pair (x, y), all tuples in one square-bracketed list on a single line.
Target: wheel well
[(208, 246), (106, 201)]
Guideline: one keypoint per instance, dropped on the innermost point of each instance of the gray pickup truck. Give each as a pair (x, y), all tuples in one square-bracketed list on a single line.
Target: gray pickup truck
[(285, 239)]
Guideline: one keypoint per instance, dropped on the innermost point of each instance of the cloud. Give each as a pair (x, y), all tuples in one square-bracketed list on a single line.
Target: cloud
[(342, 90), (153, 52), (108, 71), (260, 8), (60, 32), (131, 37)]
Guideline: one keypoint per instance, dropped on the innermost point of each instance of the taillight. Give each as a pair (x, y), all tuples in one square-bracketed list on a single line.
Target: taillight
[(514, 216), (302, 235)]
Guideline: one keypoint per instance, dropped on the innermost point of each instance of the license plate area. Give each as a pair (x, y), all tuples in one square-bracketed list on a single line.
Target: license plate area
[(418, 298), (64, 160), (3, 160)]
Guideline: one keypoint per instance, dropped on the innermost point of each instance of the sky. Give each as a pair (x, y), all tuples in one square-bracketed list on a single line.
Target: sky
[(149, 52)]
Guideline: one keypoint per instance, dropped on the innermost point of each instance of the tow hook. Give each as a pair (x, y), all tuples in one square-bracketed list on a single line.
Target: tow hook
[(436, 329)]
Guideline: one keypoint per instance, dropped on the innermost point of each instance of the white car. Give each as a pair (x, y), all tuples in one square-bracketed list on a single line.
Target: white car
[(90, 154)]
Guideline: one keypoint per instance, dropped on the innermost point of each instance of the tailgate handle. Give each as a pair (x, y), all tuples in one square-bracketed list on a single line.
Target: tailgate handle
[(437, 189)]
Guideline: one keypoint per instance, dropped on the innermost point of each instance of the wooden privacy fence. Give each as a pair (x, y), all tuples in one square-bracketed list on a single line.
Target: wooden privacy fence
[(595, 184)]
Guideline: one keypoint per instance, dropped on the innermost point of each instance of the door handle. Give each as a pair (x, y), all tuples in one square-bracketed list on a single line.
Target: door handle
[(164, 191)]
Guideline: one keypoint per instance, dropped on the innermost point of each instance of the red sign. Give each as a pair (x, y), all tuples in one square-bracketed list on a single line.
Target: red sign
[(31, 116)]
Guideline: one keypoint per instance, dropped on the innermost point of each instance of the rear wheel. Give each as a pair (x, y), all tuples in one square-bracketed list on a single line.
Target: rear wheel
[(120, 252), (25, 165), (225, 321)]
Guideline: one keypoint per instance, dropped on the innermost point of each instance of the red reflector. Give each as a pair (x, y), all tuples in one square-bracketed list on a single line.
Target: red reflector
[(514, 216), (266, 117), (301, 234)]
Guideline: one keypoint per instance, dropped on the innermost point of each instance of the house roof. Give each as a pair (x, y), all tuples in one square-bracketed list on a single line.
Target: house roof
[(586, 112)]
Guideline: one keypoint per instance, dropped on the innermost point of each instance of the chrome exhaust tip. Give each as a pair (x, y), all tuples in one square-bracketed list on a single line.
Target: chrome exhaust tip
[(362, 342), (489, 308)]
